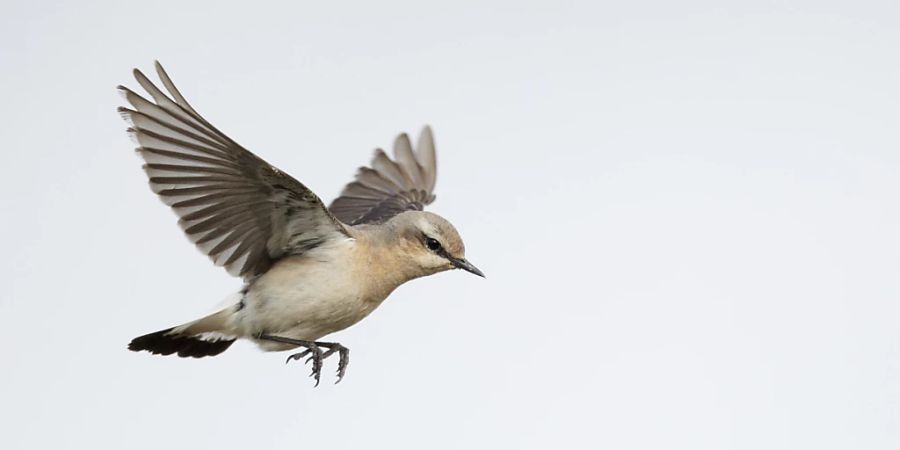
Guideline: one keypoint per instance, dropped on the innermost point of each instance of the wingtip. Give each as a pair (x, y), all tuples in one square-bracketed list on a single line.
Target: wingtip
[(124, 92), (377, 153), (125, 114), (426, 133), (132, 134), (402, 135), (402, 140), (141, 77), (426, 136), (426, 154), (163, 75)]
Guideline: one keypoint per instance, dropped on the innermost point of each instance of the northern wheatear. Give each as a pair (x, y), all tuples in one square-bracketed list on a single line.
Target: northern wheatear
[(308, 270)]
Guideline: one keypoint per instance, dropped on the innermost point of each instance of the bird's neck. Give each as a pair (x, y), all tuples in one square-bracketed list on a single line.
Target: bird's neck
[(382, 259)]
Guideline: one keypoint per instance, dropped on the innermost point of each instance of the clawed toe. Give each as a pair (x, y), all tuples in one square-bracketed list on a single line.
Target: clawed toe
[(316, 355), (297, 356), (343, 355)]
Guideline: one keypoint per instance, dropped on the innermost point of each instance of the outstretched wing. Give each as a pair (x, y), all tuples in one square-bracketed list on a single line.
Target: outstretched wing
[(238, 209), (389, 187)]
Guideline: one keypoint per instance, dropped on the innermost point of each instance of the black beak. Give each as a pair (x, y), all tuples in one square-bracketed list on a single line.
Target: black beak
[(467, 266)]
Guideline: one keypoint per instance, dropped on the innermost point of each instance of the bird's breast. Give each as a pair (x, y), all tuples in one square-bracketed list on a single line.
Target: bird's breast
[(312, 295)]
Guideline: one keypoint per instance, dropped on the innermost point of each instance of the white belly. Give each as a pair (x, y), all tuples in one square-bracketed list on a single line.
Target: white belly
[(306, 298)]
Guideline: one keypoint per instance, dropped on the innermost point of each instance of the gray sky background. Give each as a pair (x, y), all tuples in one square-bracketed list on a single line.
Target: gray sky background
[(688, 213)]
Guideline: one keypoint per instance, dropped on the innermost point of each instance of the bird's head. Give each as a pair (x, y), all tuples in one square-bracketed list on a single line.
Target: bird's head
[(431, 243)]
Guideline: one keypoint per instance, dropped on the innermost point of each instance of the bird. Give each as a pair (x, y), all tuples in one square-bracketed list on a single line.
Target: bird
[(308, 270)]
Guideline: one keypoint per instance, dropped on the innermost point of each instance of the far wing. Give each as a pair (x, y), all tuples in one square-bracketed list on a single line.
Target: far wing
[(388, 187)]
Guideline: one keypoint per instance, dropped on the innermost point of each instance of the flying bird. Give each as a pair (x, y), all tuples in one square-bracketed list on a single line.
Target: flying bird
[(308, 270)]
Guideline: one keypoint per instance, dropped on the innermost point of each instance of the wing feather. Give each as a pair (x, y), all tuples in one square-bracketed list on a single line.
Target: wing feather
[(238, 209), (390, 186)]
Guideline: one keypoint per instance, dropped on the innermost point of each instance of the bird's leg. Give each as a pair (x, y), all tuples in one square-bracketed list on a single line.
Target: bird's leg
[(316, 355)]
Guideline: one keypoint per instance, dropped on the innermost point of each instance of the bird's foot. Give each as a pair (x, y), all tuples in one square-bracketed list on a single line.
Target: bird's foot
[(314, 354), (343, 355)]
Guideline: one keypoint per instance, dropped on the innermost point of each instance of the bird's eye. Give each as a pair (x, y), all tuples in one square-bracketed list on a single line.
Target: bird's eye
[(432, 244)]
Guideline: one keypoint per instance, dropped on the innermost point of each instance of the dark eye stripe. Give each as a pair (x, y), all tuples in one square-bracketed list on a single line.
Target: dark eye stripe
[(432, 244)]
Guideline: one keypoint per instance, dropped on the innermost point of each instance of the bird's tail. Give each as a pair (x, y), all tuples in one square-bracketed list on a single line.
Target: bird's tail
[(195, 339)]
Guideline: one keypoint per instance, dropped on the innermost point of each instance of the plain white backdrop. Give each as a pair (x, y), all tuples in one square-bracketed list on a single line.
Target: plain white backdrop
[(688, 213)]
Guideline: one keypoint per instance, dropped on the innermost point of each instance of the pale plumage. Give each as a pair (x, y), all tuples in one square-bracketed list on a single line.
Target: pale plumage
[(309, 270)]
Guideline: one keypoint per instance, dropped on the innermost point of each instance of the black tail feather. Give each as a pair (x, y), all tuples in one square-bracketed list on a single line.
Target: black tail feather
[(163, 343)]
